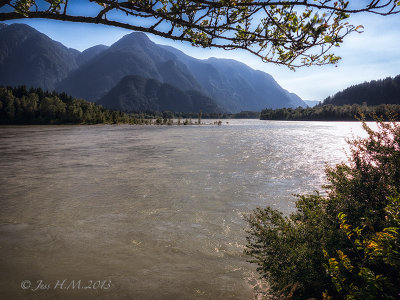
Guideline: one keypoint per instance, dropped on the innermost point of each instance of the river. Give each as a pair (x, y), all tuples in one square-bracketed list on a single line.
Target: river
[(148, 212)]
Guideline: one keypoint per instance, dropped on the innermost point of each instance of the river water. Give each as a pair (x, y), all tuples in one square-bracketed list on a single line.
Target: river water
[(148, 212)]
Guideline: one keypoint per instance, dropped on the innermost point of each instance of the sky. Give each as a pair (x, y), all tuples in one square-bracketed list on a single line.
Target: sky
[(371, 55)]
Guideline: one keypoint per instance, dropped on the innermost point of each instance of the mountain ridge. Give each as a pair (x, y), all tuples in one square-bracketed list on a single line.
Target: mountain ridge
[(91, 74), (218, 72), (28, 57)]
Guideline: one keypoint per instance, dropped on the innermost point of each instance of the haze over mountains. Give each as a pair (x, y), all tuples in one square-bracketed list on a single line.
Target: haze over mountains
[(135, 74)]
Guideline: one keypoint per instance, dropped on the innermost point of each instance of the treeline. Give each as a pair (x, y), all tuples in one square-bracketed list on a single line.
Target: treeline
[(18, 105), (372, 93), (332, 113)]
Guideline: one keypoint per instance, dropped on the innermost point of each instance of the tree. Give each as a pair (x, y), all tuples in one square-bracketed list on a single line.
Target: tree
[(345, 244), (8, 109), (290, 32), (52, 108)]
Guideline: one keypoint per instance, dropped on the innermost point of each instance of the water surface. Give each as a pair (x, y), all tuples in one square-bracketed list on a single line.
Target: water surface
[(158, 211)]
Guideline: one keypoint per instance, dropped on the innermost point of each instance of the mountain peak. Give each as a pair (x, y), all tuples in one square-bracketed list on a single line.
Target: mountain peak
[(132, 39), (21, 27), (28, 57)]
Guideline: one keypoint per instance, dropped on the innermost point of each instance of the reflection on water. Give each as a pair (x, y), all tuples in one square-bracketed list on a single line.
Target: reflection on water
[(156, 210)]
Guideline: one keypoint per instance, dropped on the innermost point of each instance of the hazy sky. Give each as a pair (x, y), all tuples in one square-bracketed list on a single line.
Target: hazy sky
[(371, 55)]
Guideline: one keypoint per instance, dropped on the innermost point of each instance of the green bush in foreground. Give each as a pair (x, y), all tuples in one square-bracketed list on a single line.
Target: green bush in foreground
[(374, 274), (344, 245)]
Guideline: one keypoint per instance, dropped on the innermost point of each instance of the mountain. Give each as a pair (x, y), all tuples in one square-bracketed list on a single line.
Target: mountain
[(386, 91), (237, 87), (233, 85), (28, 57), (134, 54), (135, 93)]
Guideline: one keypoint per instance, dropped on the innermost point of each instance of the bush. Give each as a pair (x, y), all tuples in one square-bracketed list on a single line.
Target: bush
[(293, 253), (375, 272)]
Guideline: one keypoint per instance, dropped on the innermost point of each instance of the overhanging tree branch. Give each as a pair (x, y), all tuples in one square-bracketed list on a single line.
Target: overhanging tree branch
[(294, 33)]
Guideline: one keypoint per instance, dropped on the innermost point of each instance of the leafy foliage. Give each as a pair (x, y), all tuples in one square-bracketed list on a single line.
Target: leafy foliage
[(287, 249), (357, 222), (375, 272), (293, 33)]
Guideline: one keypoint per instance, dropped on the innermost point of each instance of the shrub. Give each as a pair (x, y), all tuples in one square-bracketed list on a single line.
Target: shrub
[(374, 273)]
